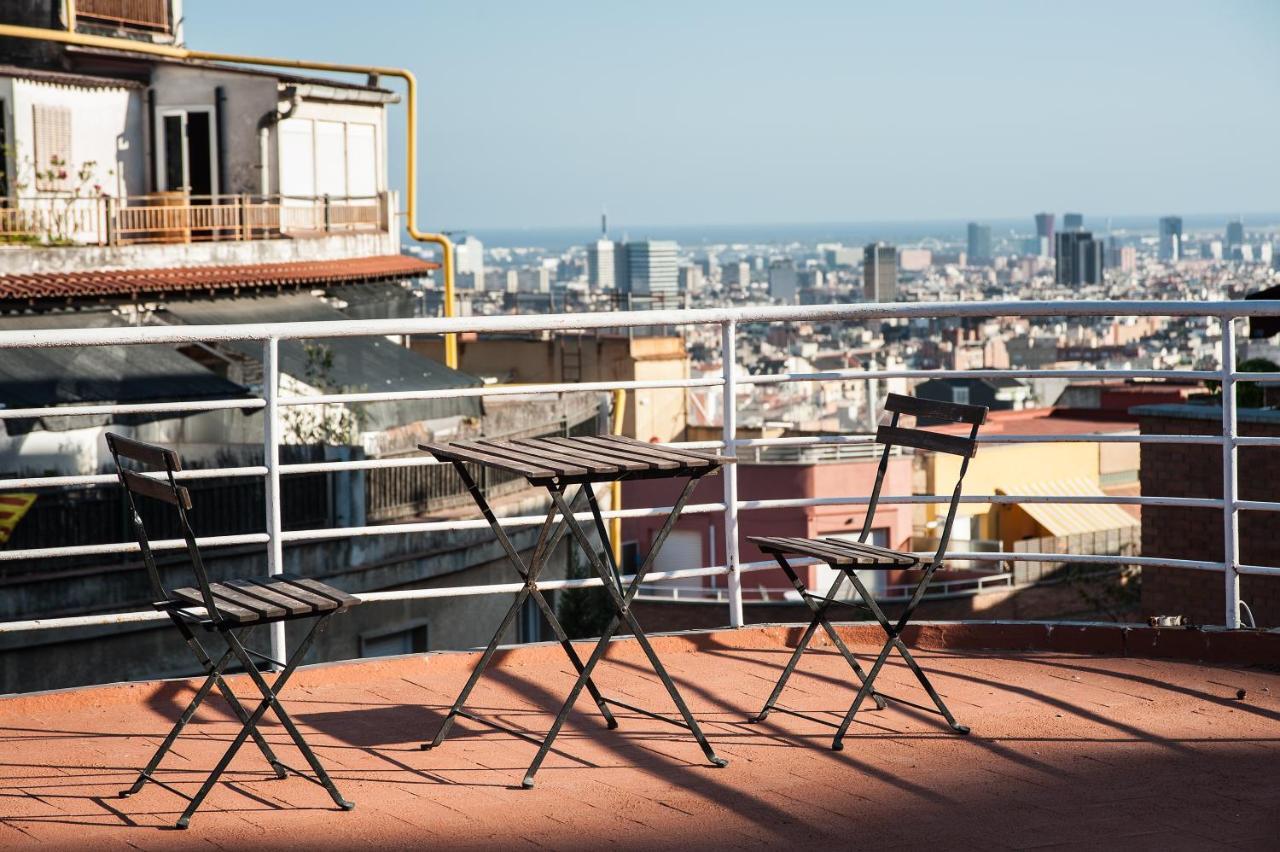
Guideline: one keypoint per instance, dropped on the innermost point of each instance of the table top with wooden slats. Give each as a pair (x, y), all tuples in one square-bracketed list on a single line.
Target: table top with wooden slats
[(598, 458)]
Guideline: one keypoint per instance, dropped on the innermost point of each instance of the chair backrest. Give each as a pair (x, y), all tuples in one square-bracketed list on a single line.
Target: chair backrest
[(166, 490), (891, 434)]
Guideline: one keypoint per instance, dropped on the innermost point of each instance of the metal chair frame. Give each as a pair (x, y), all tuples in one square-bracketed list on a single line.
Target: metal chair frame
[(184, 618), (890, 435)]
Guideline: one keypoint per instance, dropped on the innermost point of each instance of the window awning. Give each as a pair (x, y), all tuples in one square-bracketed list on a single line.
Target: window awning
[(1063, 519)]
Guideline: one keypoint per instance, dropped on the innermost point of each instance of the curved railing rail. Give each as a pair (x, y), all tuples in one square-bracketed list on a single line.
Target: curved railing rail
[(272, 402)]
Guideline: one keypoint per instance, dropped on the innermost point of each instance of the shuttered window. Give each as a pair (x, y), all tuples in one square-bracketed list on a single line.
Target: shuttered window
[(52, 131)]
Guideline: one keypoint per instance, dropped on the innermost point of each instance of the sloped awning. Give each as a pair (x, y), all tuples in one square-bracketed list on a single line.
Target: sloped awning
[(1071, 518)]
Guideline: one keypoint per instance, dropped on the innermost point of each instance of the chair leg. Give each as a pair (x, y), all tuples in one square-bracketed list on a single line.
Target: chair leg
[(933, 693), (819, 618), (837, 744), (213, 677), (894, 641), (287, 721), (270, 691), (787, 671), (230, 697)]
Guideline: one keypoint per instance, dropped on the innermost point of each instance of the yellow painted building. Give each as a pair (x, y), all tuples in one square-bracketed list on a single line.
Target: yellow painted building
[(1040, 469)]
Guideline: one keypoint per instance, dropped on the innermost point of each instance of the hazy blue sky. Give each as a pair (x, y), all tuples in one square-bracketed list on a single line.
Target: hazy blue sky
[(693, 112)]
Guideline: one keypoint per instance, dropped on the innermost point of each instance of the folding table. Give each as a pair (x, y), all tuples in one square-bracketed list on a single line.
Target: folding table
[(556, 464)]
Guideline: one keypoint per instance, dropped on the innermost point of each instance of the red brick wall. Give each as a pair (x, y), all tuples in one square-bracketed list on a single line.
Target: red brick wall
[(1182, 470)]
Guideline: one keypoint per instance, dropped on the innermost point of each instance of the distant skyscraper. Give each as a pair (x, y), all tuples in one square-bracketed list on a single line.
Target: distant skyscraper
[(736, 274), (1044, 230), (468, 263), (880, 272), (837, 256), (653, 268), (783, 283), (1235, 237), (1078, 258), (600, 265), (1072, 221), (1171, 238), (690, 279), (979, 243)]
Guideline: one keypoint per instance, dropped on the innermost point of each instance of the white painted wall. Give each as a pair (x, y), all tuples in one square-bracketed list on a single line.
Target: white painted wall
[(107, 127)]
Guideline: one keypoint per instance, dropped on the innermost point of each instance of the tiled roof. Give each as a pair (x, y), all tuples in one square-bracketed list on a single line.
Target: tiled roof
[(1045, 421), (202, 279)]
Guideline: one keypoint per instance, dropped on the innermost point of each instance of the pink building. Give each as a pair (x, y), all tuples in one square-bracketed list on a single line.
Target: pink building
[(832, 471)]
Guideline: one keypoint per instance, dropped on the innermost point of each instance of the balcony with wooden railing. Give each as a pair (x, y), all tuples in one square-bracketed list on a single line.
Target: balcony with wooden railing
[(149, 15), (180, 218)]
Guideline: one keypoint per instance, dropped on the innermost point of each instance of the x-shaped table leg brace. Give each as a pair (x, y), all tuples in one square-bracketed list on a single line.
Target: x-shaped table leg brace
[(621, 599), (819, 618), (546, 545), (894, 632)]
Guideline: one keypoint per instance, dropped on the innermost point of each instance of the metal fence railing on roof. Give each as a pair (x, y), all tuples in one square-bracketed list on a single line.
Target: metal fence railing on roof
[(730, 508)]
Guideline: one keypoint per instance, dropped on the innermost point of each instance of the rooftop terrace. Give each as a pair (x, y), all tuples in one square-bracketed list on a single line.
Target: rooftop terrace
[(1081, 734)]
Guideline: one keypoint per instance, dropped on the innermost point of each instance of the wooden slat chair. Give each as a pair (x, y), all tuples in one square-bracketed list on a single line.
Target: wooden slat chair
[(224, 608), (849, 557)]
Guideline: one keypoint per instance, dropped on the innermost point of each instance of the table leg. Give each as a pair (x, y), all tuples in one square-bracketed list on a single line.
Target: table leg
[(622, 603), (547, 541)]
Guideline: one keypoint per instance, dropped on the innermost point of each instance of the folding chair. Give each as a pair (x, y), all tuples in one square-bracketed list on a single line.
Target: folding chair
[(847, 558), (224, 608)]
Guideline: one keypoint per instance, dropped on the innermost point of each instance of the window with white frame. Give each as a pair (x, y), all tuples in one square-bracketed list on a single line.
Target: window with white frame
[(321, 157)]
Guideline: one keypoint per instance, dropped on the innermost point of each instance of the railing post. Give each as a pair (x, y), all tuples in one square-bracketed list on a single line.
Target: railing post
[(729, 356), (109, 223), (271, 458), (328, 213), (1230, 478)]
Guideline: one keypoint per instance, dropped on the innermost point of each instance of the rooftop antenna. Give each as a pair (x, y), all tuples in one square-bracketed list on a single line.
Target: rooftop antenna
[(604, 223)]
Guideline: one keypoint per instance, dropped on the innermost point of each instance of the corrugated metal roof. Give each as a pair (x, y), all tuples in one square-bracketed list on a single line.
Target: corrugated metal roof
[(207, 279), (340, 365), (38, 378)]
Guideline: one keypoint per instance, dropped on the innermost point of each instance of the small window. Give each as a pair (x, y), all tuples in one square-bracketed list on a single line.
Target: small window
[(960, 394), (408, 640), (52, 131), (630, 557)]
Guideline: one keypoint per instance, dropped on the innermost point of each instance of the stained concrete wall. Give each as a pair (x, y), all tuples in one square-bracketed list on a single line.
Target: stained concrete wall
[(161, 256)]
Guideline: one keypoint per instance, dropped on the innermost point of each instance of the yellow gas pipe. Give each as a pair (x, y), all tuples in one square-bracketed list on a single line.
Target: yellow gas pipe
[(615, 489), (68, 36)]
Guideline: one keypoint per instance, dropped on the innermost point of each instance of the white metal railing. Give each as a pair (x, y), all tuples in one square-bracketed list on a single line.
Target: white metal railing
[(891, 593), (731, 507)]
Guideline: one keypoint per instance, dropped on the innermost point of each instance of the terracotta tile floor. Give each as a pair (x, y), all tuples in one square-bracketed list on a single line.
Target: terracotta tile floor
[(1066, 750)]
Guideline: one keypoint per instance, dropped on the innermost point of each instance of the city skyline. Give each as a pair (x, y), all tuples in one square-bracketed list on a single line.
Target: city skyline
[(764, 116)]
